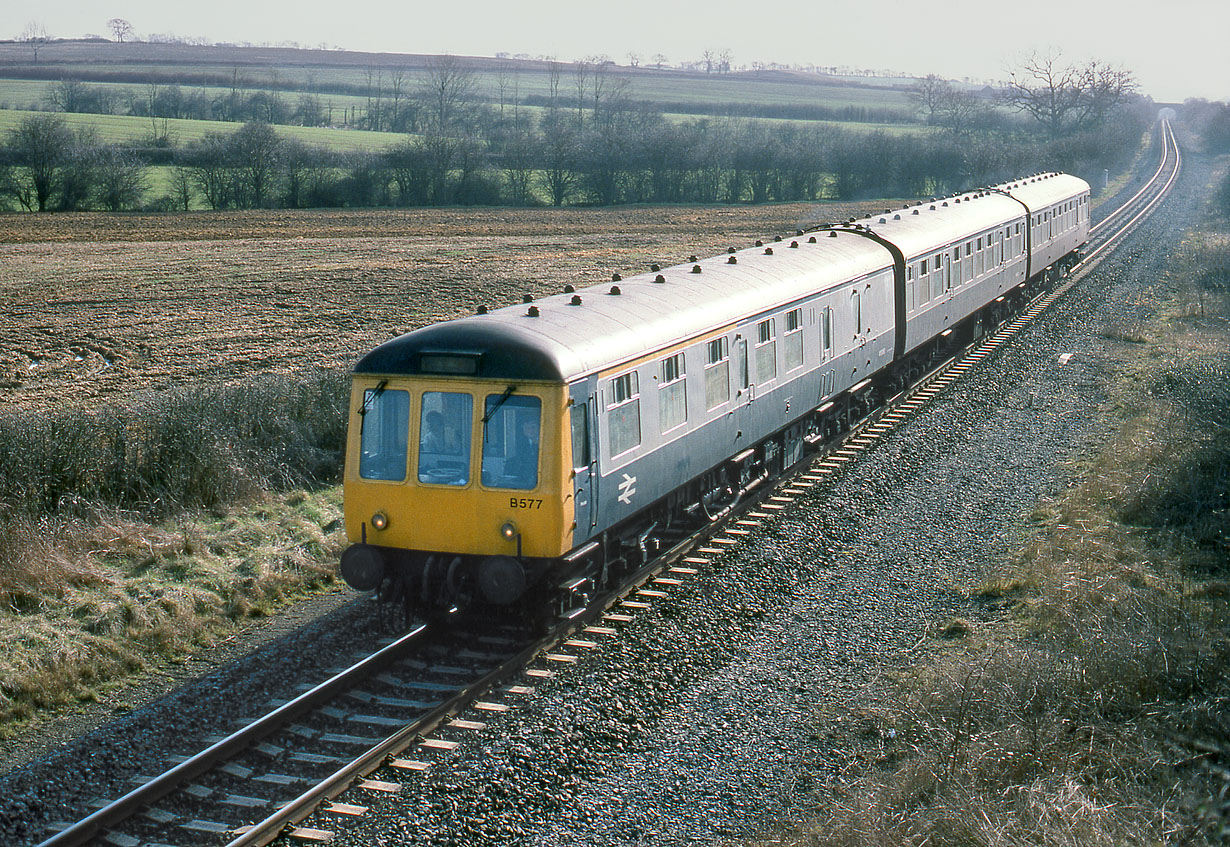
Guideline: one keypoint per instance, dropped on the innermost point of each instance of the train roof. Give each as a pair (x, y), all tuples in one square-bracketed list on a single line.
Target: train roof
[(920, 228), (562, 341), (562, 337), (1045, 189)]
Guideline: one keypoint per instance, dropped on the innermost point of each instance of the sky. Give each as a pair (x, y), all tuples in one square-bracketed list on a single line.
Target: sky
[(1175, 50)]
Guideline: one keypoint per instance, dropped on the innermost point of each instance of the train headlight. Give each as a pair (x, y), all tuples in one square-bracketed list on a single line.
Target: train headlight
[(380, 521), (508, 531)]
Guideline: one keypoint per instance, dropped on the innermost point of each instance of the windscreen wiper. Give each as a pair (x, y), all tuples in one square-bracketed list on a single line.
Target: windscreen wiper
[(498, 403), (371, 398)]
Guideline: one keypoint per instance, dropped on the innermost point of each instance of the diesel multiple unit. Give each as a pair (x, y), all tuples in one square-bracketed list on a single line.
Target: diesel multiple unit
[(528, 456)]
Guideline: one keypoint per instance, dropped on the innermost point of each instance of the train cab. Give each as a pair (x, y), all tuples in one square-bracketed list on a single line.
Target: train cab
[(457, 480)]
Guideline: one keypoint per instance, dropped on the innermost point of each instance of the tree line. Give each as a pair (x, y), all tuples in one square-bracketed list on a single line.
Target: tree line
[(591, 145)]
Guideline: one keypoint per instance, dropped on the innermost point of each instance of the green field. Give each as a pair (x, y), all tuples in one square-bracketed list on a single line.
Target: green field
[(124, 129)]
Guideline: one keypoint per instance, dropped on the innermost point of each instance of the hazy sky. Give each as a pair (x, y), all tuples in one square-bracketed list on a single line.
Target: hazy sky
[(1187, 57)]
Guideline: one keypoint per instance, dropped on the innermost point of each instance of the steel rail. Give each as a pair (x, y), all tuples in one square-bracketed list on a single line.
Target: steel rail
[(1146, 209), (125, 807), (1167, 140), (271, 827)]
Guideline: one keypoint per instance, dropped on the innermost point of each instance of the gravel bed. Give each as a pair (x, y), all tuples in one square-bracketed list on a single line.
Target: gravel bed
[(700, 724)]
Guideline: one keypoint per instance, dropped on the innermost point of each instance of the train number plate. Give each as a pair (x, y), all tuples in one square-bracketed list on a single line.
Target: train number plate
[(524, 503)]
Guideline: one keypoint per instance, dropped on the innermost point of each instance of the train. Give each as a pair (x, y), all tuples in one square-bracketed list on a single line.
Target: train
[(522, 460)]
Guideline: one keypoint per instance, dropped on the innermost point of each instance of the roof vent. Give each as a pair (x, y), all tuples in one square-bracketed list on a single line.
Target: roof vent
[(730, 249), (945, 204), (933, 206), (798, 232), (482, 310), (691, 258), (614, 290), (532, 312), (616, 277), (695, 269), (898, 217), (915, 212), (794, 244), (768, 251), (654, 267), (759, 243), (777, 238), (659, 278), (575, 301), (811, 240), (883, 220), (832, 233), (733, 260), (569, 288)]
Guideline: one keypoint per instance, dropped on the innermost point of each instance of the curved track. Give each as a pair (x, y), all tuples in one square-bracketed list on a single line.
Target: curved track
[(281, 767)]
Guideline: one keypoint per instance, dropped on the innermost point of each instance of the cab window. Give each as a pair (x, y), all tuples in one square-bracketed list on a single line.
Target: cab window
[(385, 431), (510, 441), (445, 426)]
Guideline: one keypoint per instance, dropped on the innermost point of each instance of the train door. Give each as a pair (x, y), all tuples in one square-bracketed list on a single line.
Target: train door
[(584, 471), (745, 391)]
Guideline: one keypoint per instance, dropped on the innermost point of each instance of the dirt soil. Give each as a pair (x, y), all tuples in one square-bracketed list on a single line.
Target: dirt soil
[(99, 305)]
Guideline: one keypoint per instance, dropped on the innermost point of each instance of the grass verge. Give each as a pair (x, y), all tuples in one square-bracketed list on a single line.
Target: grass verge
[(1094, 710), (134, 533)]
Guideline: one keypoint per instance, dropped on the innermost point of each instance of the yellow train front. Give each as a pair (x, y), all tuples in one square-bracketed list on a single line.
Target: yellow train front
[(458, 483)]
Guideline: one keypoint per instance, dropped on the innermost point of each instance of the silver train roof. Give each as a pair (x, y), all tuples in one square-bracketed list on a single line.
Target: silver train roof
[(566, 336)]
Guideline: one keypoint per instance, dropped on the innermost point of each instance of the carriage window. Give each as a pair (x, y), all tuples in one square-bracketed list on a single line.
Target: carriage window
[(510, 441), (624, 413), (826, 331), (444, 438), (672, 393), (385, 431), (766, 352), (856, 306), (717, 372), (793, 348)]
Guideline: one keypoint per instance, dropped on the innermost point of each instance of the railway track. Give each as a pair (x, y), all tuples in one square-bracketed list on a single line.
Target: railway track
[(402, 703)]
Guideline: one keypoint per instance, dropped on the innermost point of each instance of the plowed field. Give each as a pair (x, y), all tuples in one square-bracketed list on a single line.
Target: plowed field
[(98, 305)]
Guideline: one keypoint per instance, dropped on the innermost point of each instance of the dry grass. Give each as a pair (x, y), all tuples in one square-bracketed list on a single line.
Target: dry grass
[(1097, 712), (88, 600)]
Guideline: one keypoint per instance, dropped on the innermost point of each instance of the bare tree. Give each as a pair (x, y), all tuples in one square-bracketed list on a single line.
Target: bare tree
[(503, 81), (120, 28), (42, 146), (580, 77), (1064, 98), (1103, 88), (928, 92), (709, 57), (554, 71), (959, 110), (659, 59), (634, 59), (68, 95), (182, 187), (34, 36), (256, 152), (447, 90), (120, 178)]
